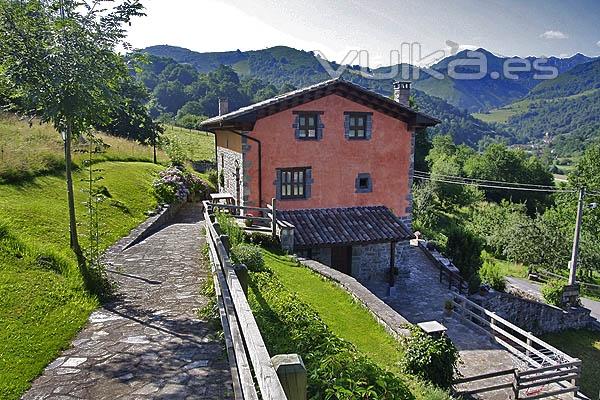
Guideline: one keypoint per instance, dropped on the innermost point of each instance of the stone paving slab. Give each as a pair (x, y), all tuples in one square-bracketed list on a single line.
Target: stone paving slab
[(149, 343)]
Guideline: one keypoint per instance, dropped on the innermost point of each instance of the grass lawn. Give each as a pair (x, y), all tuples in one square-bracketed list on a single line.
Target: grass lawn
[(43, 302), (36, 211), (197, 145), (355, 324), (584, 345), (347, 319)]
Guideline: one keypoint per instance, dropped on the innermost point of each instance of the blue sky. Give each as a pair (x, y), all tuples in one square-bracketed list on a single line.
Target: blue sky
[(333, 27)]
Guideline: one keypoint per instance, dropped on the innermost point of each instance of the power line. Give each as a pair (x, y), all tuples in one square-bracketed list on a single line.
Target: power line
[(433, 179), (486, 181)]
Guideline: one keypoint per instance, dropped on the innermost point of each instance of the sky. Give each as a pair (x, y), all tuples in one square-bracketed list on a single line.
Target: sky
[(336, 27)]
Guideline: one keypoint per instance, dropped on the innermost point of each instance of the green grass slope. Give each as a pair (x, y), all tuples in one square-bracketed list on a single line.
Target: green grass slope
[(43, 299), (44, 303)]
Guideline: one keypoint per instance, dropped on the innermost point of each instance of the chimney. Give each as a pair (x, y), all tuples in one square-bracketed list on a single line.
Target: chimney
[(223, 106), (402, 92)]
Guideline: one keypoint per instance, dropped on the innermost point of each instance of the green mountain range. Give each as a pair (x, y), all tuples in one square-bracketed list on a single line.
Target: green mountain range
[(516, 110), (565, 111)]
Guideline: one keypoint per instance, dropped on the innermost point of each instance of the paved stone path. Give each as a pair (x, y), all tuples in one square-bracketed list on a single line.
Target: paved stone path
[(420, 297), (149, 343)]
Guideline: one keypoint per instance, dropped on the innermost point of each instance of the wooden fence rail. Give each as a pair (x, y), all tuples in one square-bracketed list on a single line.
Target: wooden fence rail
[(251, 365), (546, 371)]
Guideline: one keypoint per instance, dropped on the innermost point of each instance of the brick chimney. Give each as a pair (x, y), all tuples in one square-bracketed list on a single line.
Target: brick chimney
[(223, 106), (402, 92)]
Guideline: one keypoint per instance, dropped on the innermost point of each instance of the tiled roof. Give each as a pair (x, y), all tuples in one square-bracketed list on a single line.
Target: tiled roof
[(341, 226), (250, 113)]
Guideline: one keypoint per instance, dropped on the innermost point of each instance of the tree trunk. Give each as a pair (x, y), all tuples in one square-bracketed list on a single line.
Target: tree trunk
[(154, 147), (71, 199)]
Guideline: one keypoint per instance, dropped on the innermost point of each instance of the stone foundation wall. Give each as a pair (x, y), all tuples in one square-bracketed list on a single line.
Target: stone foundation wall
[(322, 255), (534, 316), (371, 262), (228, 160)]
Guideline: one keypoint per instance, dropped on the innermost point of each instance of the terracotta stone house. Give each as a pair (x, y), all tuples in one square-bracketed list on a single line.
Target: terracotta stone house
[(339, 160)]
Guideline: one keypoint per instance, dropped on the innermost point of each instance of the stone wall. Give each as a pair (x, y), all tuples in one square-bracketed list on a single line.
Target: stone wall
[(322, 255), (228, 161), (534, 316), (371, 262)]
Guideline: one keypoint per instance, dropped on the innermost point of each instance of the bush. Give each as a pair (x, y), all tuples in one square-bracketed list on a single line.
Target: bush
[(249, 255), (464, 248), (176, 184), (213, 177), (552, 292), (490, 274), (230, 228), (262, 240), (432, 359), (170, 186)]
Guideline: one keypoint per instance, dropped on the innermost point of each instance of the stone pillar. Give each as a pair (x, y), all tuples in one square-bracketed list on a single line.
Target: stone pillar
[(286, 238), (292, 375)]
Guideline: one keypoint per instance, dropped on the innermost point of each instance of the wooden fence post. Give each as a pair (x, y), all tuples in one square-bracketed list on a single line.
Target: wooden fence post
[(274, 217), (241, 271), (516, 385), (226, 244), (292, 375)]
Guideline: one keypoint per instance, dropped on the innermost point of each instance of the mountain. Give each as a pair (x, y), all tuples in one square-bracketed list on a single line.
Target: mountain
[(566, 109), (493, 89), (276, 65), (180, 85)]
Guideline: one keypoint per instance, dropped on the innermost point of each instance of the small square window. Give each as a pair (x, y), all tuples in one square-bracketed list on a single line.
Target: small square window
[(363, 183)]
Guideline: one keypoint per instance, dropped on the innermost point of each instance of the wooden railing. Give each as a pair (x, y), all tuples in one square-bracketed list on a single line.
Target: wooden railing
[(453, 278), (588, 288), (251, 365), (545, 371)]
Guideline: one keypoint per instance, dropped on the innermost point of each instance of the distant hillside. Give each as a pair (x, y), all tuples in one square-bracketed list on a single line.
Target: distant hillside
[(179, 89), (487, 93), (566, 108)]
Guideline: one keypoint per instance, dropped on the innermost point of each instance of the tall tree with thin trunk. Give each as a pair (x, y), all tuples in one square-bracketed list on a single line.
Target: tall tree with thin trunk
[(58, 63)]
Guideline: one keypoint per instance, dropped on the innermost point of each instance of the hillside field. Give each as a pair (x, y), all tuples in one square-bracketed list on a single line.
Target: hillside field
[(44, 302)]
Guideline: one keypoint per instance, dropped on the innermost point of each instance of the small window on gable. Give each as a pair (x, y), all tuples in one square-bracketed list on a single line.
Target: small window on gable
[(358, 125), (308, 125), (363, 183)]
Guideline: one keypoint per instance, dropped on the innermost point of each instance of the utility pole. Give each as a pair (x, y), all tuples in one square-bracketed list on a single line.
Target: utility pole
[(575, 252)]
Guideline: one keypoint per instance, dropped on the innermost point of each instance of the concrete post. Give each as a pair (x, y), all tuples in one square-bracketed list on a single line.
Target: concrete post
[(292, 375)]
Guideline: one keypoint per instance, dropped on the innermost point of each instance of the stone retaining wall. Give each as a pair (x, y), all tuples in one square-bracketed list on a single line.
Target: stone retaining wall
[(393, 322), (534, 316)]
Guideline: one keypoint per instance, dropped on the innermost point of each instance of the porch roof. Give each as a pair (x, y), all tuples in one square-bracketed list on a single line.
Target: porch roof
[(344, 226)]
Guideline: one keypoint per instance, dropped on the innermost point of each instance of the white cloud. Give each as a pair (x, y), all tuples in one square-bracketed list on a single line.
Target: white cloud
[(598, 43), (554, 35)]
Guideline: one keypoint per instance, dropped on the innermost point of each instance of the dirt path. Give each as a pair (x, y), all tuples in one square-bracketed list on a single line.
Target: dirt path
[(148, 344)]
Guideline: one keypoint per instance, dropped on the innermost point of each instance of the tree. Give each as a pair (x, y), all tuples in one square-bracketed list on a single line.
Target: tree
[(59, 61)]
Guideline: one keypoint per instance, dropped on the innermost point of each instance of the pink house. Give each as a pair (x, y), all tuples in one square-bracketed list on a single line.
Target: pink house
[(333, 148)]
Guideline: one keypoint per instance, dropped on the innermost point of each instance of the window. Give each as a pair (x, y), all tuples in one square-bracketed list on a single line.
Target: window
[(358, 125), (363, 183), (308, 125), (293, 183)]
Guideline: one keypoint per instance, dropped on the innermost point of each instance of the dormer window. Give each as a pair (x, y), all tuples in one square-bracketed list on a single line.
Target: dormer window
[(308, 125), (357, 125)]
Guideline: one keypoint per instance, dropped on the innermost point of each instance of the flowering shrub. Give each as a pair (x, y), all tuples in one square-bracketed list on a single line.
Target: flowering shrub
[(175, 184)]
